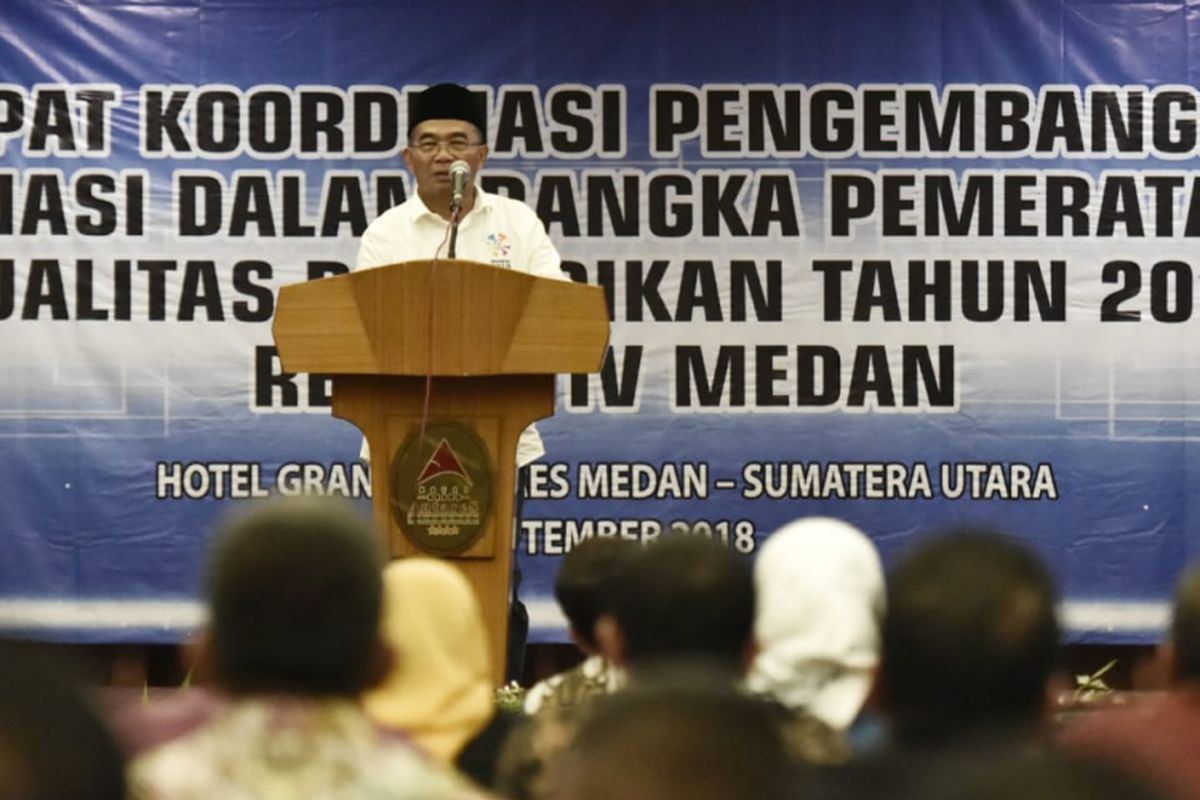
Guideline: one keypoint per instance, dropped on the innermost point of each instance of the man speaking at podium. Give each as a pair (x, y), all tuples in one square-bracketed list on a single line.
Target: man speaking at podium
[(447, 124), (447, 129)]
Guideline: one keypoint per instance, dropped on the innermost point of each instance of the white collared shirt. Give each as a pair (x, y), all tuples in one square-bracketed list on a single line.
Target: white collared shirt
[(497, 231)]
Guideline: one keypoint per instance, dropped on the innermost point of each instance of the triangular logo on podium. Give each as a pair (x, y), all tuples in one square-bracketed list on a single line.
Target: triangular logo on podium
[(443, 462), (441, 488)]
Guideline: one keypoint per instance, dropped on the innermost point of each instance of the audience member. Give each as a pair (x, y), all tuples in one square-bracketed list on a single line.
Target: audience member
[(969, 641), (1040, 775), (157, 716), (689, 598), (820, 596), (676, 734), (1013, 774), (585, 587), (294, 593), (684, 597), (439, 691), (1155, 739), (144, 723), (52, 744)]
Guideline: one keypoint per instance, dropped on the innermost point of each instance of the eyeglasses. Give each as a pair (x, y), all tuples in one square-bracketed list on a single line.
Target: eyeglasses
[(455, 145)]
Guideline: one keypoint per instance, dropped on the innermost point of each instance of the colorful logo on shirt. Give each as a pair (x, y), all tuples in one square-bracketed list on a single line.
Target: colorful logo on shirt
[(499, 245), (441, 488)]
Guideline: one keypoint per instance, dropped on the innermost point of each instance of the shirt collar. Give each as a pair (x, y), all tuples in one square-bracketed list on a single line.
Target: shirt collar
[(484, 203)]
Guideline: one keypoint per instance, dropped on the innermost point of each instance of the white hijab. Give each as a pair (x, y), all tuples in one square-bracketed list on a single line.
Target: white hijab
[(820, 594)]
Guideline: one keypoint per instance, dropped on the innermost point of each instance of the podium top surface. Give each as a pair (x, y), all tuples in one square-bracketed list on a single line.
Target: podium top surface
[(446, 318)]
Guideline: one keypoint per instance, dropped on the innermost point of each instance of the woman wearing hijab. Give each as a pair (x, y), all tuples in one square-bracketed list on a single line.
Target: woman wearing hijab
[(820, 597), (439, 691)]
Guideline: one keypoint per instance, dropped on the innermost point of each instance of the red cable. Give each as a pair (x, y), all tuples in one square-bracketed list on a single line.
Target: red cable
[(432, 306)]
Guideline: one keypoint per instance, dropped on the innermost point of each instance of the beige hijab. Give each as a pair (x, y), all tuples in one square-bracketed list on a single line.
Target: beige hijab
[(439, 691)]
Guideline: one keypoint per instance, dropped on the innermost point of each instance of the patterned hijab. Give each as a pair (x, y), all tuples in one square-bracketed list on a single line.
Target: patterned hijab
[(820, 594), (439, 691)]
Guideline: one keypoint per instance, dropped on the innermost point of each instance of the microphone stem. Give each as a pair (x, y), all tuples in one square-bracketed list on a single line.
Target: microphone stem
[(452, 247)]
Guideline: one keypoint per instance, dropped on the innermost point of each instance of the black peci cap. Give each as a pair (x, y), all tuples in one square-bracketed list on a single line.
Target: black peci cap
[(447, 101)]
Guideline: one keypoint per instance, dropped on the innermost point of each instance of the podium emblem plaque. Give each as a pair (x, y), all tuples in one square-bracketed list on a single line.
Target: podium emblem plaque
[(441, 489)]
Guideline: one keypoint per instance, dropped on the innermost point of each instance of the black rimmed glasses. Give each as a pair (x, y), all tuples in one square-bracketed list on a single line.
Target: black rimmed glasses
[(455, 145)]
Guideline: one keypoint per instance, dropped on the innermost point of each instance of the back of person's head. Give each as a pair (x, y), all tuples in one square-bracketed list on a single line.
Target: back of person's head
[(1185, 626), (820, 595), (680, 733), (587, 582), (970, 636), (996, 771), (439, 689), (1039, 775), (52, 744), (686, 597), (294, 592)]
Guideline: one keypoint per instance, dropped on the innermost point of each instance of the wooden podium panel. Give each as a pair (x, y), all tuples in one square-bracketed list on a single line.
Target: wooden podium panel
[(492, 338), (498, 409), (455, 318)]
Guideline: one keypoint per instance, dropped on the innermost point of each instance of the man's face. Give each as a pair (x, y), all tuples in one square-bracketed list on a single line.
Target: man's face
[(435, 144)]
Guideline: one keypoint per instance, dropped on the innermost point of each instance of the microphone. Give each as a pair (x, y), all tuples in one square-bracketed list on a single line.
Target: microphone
[(460, 174)]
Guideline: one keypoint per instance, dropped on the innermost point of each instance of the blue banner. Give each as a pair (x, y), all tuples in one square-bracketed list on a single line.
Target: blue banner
[(909, 264)]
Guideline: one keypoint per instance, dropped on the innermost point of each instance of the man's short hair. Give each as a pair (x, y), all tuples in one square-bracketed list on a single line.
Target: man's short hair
[(588, 581), (447, 101), (682, 733), (686, 597), (1185, 625), (970, 635), (294, 591)]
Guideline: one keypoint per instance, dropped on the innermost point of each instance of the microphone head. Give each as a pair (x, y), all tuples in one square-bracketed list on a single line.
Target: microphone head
[(460, 168)]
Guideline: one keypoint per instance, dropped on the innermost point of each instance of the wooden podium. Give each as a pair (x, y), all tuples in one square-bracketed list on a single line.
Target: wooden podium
[(493, 340)]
